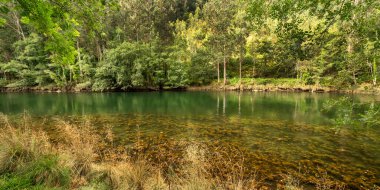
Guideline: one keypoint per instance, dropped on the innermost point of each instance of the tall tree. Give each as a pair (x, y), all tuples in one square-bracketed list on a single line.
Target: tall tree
[(240, 30), (218, 14)]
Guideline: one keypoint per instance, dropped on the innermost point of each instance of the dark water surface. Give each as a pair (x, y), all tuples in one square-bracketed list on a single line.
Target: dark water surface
[(283, 131)]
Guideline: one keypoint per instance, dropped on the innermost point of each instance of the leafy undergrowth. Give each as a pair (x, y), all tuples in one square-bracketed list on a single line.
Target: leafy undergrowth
[(266, 81), (34, 155)]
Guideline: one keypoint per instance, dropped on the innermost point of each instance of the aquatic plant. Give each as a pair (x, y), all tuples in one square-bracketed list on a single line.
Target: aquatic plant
[(64, 155), (76, 155)]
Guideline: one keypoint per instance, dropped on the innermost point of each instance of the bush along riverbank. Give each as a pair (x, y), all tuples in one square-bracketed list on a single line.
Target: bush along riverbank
[(62, 155), (246, 84), (284, 84), (79, 88)]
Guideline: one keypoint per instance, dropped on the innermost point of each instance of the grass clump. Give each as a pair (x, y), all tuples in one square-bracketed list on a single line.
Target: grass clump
[(20, 146), (45, 172), (27, 160)]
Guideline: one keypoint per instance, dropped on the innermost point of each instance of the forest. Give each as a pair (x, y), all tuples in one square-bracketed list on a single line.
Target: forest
[(104, 45)]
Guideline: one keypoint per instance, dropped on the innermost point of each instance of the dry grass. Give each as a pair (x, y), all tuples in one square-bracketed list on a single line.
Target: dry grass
[(20, 145)]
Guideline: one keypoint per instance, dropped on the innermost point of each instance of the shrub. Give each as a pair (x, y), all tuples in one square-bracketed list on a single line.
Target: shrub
[(3, 82), (101, 85), (83, 86)]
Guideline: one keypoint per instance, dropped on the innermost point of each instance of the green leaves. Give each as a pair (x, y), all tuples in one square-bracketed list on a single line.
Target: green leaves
[(176, 43), (59, 29), (2, 22)]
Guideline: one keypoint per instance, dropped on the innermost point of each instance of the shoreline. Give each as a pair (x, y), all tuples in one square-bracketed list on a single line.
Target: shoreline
[(364, 89), (54, 89), (286, 88)]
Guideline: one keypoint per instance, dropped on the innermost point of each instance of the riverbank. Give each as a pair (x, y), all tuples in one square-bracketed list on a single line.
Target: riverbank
[(56, 89), (284, 85), (247, 84)]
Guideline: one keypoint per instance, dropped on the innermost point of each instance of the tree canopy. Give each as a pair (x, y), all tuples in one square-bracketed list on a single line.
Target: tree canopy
[(122, 44)]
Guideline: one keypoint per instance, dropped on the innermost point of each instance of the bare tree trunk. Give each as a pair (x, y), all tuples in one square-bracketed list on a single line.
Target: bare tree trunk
[(224, 66), (79, 60), (218, 68), (70, 74), (349, 52), (253, 68), (253, 72), (63, 77), (18, 25), (298, 69), (374, 65), (374, 70), (98, 50), (224, 70)]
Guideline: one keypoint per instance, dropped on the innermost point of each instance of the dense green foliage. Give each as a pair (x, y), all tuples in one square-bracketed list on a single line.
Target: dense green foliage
[(124, 44)]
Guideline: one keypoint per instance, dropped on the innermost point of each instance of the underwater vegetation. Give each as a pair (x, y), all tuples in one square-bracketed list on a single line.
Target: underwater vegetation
[(58, 153)]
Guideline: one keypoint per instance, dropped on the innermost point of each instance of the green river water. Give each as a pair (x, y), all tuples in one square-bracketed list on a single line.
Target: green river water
[(283, 132)]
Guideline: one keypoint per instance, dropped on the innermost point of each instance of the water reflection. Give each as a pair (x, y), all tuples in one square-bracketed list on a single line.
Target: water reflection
[(293, 107)]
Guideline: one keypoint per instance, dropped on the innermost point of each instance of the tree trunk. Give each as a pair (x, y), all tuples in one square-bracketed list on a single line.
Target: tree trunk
[(70, 75), (373, 70), (224, 70), (63, 77), (218, 68), (224, 66), (79, 60), (98, 49), (374, 65), (350, 45), (374, 78), (18, 25)]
